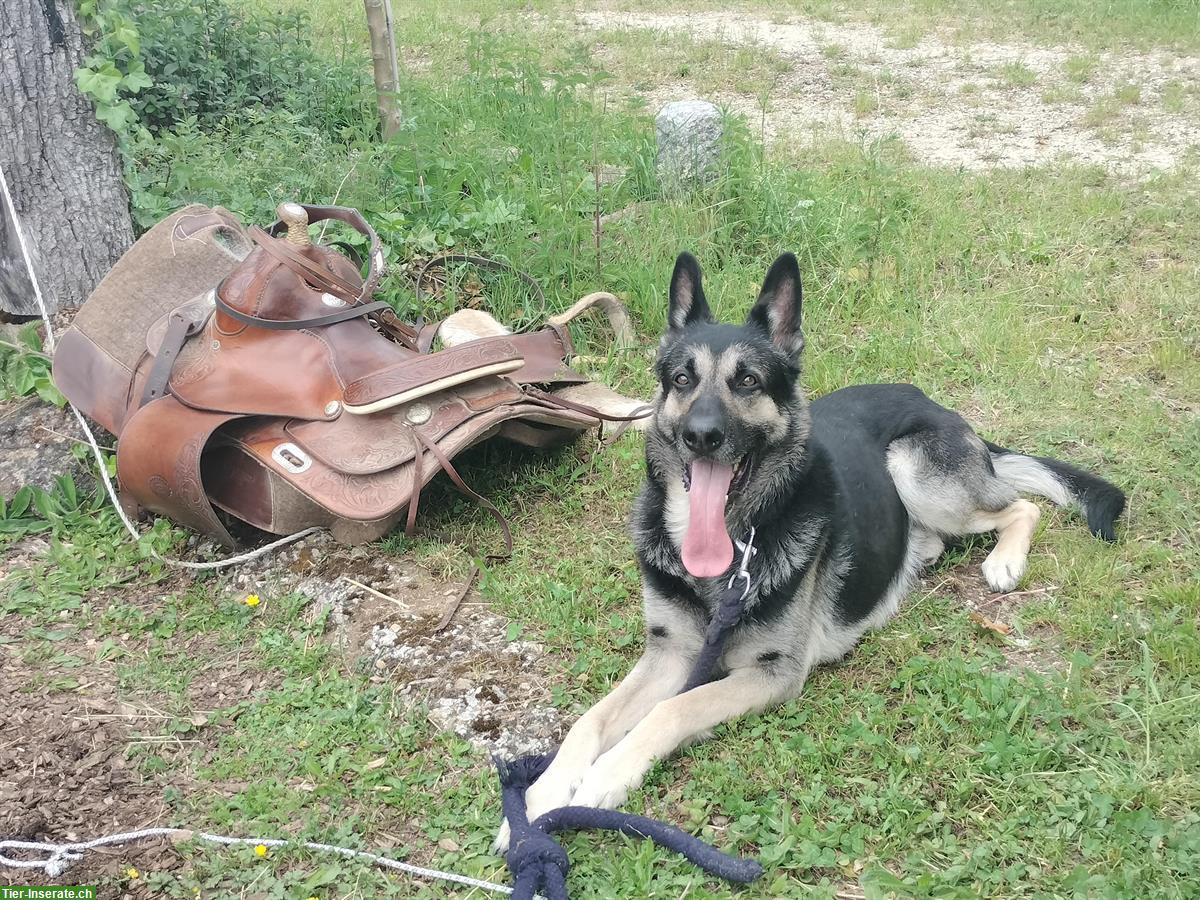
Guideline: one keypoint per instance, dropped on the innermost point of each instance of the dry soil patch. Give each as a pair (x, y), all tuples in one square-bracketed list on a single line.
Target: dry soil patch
[(976, 106)]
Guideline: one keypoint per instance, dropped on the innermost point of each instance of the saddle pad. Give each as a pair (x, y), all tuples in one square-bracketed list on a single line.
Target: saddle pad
[(181, 257)]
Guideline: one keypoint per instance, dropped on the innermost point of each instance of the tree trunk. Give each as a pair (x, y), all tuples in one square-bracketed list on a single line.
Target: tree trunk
[(387, 66), (60, 161)]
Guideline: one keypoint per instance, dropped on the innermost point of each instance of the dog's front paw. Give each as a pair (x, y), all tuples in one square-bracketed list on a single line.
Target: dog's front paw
[(503, 836), (603, 787), (549, 792), (1003, 574)]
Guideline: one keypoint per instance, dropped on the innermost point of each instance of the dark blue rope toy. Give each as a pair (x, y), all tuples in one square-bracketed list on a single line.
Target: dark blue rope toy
[(536, 860)]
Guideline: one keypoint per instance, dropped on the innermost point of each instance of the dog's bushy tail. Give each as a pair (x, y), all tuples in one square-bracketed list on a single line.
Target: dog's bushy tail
[(1064, 484)]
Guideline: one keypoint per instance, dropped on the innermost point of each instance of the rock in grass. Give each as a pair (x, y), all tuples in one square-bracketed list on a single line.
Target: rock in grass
[(689, 137)]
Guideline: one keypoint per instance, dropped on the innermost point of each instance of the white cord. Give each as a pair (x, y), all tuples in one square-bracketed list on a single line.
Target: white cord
[(63, 856), (91, 438)]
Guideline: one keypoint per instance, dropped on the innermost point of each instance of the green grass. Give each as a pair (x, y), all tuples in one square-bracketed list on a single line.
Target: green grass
[(1128, 94), (1113, 105), (644, 59), (1079, 68), (1062, 92), (865, 103), (1016, 74), (1174, 96), (1055, 308)]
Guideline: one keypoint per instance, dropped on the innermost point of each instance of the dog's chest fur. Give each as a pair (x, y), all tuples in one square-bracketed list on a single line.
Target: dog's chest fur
[(677, 512)]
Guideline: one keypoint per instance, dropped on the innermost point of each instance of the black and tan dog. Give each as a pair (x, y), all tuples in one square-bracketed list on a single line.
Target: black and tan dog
[(848, 497)]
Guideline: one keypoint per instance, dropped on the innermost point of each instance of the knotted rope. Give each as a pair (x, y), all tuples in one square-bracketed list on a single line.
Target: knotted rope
[(539, 864)]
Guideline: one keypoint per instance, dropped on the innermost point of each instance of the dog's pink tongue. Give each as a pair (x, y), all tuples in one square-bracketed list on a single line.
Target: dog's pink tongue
[(707, 549)]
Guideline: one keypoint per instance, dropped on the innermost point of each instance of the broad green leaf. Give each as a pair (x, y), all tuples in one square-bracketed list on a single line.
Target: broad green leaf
[(116, 116), (43, 503), (100, 86), (135, 80), (128, 36), (30, 338), (49, 393), (20, 502)]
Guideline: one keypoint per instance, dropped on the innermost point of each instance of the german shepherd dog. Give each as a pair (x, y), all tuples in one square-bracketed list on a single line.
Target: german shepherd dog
[(848, 498)]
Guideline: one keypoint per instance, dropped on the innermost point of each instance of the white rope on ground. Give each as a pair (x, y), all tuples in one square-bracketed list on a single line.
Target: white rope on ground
[(91, 438), (62, 856)]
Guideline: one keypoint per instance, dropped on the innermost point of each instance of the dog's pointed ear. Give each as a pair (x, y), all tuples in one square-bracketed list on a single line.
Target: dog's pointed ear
[(687, 303), (777, 311)]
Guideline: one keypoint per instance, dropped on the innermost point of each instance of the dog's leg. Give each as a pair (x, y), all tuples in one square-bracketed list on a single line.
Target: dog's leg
[(660, 673), (1014, 526), (674, 722)]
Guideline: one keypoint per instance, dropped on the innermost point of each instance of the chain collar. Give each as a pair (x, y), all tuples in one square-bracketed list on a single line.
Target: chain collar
[(743, 572)]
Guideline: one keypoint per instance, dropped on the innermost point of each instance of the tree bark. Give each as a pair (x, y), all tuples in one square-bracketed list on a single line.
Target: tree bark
[(60, 161), (386, 65)]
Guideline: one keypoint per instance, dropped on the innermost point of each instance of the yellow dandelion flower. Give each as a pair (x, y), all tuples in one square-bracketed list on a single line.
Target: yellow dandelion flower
[(260, 850), (251, 600), (132, 872)]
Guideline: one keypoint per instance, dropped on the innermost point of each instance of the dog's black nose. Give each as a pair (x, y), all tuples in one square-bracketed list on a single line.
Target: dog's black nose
[(703, 436)]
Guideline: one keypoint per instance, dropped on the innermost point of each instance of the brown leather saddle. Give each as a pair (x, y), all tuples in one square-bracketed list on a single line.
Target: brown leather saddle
[(249, 371)]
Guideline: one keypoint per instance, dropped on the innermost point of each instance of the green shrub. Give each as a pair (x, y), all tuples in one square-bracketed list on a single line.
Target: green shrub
[(208, 60), (158, 63)]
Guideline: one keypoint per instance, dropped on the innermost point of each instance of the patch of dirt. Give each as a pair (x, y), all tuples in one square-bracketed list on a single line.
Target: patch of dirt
[(975, 106), (19, 554), (65, 770), (1035, 648), (382, 615), (476, 683), (64, 775)]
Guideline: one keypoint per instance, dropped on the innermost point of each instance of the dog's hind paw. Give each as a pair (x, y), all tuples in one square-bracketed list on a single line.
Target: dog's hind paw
[(1002, 574)]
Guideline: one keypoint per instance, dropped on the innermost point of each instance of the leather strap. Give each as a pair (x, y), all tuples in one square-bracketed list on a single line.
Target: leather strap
[(179, 329), (382, 314), (410, 523), (427, 335), (393, 326), (410, 526), (448, 468), (620, 430), (545, 350), (537, 395), (564, 338), (318, 276), (355, 220), (342, 315)]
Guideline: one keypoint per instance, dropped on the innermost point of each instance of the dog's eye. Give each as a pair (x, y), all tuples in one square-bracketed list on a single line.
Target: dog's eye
[(749, 381), (682, 380)]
